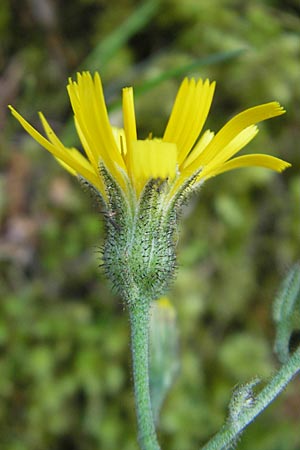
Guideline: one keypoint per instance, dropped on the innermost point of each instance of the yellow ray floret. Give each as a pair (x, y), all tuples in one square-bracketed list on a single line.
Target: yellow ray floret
[(70, 157), (199, 147), (257, 160), (189, 114), (233, 147), (152, 159), (234, 127), (91, 116), (183, 150)]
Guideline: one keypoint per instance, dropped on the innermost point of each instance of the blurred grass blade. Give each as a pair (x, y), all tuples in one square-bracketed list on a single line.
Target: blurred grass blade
[(183, 70), (180, 71), (107, 48)]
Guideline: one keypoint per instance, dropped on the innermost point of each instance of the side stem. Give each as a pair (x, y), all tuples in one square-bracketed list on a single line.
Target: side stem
[(139, 321), (231, 431)]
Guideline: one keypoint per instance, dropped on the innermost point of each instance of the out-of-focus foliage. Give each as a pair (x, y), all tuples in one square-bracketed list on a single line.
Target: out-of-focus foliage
[(65, 374)]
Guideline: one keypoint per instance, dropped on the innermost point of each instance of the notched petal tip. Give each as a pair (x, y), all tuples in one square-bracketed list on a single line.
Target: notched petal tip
[(128, 90), (283, 165), (275, 109), (252, 160), (129, 115)]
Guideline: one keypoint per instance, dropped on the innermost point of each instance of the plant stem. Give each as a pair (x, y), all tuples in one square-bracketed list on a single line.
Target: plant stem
[(231, 430), (139, 320)]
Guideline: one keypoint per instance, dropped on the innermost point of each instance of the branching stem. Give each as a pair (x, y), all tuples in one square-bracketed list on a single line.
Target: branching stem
[(231, 430)]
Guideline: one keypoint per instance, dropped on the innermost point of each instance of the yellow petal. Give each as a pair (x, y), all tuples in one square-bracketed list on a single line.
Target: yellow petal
[(98, 183), (188, 115), (196, 118), (234, 127), (183, 117), (82, 119), (72, 151), (239, 142), (174, 120), (255, 160), (129, 115), (129, 123), (199, 147), (59, 151), (92, 156), (120, 138), (152, 159), (104, 124), (87, 99)]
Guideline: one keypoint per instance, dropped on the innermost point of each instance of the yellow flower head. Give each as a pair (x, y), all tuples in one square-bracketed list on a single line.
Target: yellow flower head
[(183, 150)]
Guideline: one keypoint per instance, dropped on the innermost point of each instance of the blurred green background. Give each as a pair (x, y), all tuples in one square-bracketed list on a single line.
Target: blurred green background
[(65, 378)]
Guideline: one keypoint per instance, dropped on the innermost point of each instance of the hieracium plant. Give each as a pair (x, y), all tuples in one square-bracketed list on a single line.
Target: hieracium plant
[(143, 185)]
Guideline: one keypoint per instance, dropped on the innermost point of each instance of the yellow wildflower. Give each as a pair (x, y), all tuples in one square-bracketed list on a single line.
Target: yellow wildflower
[(183, 150)]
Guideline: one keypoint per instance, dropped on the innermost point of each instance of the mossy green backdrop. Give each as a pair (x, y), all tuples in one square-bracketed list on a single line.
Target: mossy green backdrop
[(65, 377)]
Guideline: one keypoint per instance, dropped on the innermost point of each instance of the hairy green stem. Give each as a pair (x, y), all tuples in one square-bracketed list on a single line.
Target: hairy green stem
[(231, 430), (139, 320)]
